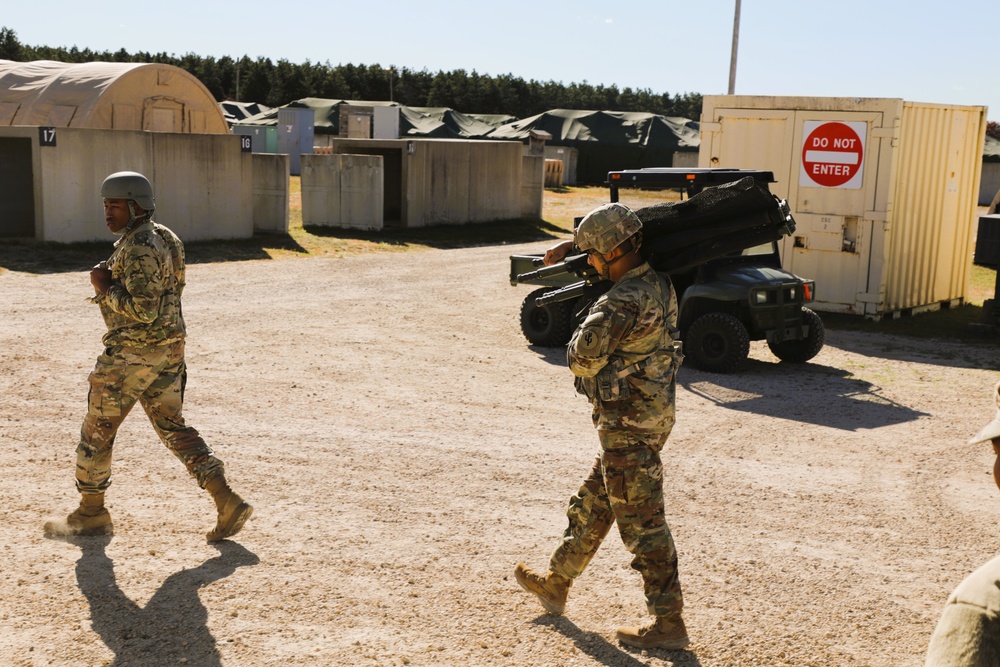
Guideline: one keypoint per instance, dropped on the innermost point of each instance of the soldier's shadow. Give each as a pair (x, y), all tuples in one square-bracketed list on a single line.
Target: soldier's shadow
[(173, 626), (606, 653)]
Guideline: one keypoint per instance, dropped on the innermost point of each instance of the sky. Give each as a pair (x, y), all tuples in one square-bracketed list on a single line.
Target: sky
[(917, 50)]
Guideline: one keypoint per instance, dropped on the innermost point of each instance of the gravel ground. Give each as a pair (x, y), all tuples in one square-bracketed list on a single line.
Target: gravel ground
[(404, 448)]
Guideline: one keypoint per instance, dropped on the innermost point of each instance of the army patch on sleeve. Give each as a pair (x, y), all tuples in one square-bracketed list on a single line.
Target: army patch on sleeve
[(590, 342)]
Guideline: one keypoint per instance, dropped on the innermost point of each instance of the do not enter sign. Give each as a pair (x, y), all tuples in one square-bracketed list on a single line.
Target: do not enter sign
[(833, 154)]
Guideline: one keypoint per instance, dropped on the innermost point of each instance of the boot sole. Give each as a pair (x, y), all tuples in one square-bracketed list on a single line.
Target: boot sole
[(240, 517), (549, 606)]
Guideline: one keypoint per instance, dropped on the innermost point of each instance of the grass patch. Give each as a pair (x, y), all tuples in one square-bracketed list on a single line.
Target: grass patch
[(982, 284)]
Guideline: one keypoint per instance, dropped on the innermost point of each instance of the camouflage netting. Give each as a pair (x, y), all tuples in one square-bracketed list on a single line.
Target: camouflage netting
[(713, 223)]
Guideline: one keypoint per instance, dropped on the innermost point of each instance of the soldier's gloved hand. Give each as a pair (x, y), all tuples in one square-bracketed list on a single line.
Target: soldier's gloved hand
[(100, 278), (557, 253)]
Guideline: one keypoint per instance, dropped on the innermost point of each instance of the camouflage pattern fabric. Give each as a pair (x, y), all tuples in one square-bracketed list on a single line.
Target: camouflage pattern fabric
[(143, 358), (968, 632), (632, 323), (625, 358), (155, 377), (625, 486), (143, 305)]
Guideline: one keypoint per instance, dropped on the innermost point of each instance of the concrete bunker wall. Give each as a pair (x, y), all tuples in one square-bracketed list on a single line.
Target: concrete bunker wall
[(203, 184), (442, 181), (343, 191)]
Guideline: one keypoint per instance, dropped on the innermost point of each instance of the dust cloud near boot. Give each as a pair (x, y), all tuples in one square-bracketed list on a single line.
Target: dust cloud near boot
[(233, 510), (90, 518)]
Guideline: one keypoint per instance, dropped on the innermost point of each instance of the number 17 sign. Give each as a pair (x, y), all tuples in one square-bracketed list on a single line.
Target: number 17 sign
[(833, 154)]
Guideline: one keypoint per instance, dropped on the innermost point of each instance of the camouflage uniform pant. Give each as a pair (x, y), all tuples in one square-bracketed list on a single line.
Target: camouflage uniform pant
[(625, 486), (155, 377)]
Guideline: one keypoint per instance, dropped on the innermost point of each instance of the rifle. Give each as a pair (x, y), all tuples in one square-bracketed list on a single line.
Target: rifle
[(575, 264)]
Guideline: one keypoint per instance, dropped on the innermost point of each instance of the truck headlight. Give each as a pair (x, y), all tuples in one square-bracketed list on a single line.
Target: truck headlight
[(760, 296)]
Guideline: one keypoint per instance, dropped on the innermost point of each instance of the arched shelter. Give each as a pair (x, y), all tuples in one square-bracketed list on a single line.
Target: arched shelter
[(110, 96)]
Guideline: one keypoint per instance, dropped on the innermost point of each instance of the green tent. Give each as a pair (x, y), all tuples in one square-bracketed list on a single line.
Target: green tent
[(427, 122), (609, 140)]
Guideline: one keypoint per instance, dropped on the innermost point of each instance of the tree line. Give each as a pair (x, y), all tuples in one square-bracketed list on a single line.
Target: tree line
[(277, 83)]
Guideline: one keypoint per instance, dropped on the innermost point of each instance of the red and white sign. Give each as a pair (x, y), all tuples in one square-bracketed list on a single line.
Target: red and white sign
[(833, 154)]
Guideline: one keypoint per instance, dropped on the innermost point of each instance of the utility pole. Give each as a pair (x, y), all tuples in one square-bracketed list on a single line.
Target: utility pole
[(736, 42)]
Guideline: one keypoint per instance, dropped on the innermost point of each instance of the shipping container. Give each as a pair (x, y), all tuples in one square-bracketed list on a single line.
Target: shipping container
[(295, 135), (883, 191)]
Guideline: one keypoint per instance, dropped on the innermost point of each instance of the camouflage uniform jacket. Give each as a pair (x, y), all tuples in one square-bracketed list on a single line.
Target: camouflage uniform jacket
[(142, 308), (625, 356), (968, 632)]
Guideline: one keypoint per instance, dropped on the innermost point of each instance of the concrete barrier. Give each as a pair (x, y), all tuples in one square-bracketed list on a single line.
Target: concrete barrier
[(532, 186), (205, 183), (443, 181), (457, 182), (270, 193), (342, 191)]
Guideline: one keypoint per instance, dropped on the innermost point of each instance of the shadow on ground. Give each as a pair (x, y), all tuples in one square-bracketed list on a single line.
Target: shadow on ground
[(29, 256), (450, 236), (172, 628), (606, 653), (806, 393), (965, 324)]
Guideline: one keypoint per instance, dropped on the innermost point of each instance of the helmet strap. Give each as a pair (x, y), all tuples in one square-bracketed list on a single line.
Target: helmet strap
[(134, 217), (628, 246), (632, 245)]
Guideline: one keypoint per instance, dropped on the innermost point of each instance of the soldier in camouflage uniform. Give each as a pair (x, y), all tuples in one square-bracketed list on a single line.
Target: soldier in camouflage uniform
[(968, 632), (139, 292), (625, 359)]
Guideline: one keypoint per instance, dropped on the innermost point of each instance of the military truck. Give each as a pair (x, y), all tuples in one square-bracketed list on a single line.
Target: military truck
[(719, 248)]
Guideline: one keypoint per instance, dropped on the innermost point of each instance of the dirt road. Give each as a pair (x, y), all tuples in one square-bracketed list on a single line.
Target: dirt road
[(404, 448)]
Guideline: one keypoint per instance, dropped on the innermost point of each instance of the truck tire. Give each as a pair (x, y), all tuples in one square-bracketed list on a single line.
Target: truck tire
[(549, 325), (800, 351), (717, 342)]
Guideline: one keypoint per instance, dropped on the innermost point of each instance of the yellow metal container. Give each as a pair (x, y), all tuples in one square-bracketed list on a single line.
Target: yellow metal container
[(884, 192)]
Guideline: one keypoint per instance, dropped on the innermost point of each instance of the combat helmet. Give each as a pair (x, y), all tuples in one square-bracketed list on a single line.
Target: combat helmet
[(607, 227), (129, 185)]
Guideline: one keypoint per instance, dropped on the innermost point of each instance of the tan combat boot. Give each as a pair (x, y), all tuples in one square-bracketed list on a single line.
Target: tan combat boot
[(90, 518), (233, 510), (551, 589), (665, 632)]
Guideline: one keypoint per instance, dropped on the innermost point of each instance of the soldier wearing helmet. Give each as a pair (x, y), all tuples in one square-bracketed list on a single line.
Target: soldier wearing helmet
[(138, 290), (624, 357)]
